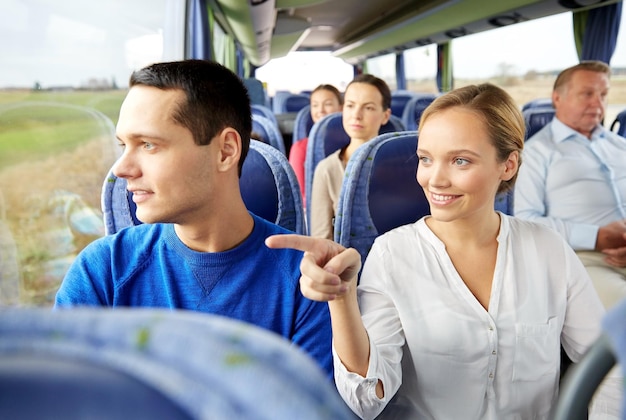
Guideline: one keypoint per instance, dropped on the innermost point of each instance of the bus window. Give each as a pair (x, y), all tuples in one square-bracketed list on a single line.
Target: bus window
[(304, 71), (384, 66), (59, 102), (420, 67)]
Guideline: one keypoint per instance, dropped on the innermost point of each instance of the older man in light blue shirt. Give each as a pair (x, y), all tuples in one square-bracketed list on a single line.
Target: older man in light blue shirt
[(574, 178)]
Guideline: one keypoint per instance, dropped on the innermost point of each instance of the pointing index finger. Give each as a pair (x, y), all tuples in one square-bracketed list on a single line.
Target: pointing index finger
[(299, 242)]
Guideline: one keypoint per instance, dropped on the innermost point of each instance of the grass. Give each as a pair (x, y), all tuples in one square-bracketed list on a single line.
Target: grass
[(50, 142), (34, 125), (107, 102)]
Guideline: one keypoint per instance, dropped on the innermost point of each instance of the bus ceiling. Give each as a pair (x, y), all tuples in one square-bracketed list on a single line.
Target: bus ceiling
[(355, 30)]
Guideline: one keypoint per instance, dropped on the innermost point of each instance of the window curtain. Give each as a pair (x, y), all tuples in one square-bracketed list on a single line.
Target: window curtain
[(444, 67), (199, 33), (595, 32), (400, 72)]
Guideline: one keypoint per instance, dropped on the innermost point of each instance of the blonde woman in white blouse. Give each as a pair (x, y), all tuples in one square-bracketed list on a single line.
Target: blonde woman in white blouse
[(460, 315)]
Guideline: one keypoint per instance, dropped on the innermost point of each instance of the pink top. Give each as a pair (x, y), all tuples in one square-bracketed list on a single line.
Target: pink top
[(297, 155)]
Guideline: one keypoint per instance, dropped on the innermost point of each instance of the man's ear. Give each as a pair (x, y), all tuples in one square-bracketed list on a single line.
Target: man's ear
[(229, 149), (556, 98)]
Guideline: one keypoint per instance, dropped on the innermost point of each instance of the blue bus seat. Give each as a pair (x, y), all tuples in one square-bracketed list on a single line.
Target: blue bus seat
[(269, 132), (394, 124), (379, 191), (538, 103), (269, 188), (154, 363), (504, 202), (287, 102), (583, 379), (264, 111), (295, 103), (619, 124), (414, 108), (256, 91), (399, 100), (118, 208), (327, 136), (536, 118), (302, 124)]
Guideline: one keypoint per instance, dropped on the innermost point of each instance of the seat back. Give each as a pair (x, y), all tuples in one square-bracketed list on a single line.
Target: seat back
[(394, 124), (296, 102), (583, 379), (278, 100), (399, 100), (619, 124), (379, 191), (256, 91), (148, 363), (31, 383), (264, 111), (269, 132), (615, 329), (269, 189), (302, 124), (327, 136), (536, 118), (538, 103), (286, 102), (414, 108), (504, 202)]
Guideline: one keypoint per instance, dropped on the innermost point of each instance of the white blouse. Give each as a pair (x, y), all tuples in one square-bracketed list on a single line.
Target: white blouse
[(441, 355)]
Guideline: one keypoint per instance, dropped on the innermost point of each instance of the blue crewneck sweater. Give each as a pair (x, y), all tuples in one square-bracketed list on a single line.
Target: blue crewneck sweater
[(149, 266)]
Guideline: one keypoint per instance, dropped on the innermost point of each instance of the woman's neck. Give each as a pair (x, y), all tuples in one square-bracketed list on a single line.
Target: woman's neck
[(478, 231)]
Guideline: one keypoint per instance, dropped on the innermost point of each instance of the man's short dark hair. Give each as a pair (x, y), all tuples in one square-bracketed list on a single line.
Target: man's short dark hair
[(216, 98), (591, 65)]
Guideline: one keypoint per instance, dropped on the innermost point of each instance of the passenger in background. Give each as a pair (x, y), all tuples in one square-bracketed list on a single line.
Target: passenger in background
[(325, 99), (459, 315), (574, 178), (367, 106), (184, 128)]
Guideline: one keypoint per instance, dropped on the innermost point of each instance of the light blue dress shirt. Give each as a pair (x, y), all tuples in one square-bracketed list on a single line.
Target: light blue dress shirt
[(572, 183)]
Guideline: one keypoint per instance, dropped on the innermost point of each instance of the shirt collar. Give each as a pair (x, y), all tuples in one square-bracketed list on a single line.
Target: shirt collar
[(561, 132)]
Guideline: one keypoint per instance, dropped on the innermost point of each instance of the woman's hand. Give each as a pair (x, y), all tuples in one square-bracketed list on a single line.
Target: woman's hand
[(328, 269)]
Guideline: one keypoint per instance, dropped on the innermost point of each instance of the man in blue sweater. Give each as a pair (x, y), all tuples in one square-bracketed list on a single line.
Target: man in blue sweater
[(184, 128)]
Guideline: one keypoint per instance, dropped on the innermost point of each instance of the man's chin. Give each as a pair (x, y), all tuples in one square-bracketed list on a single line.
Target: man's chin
[(147, 218)]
